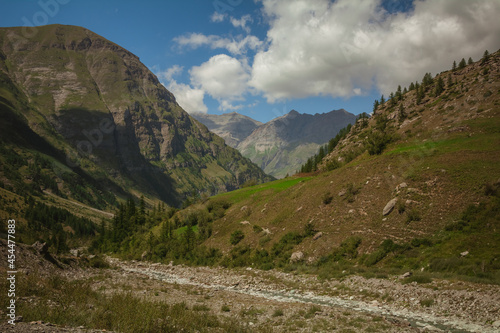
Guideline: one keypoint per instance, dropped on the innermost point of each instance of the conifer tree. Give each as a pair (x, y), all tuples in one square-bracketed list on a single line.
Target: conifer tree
[(382, 100), (485, 58), (439, 87), (399, 93), (375, 105), (402, 113), (462, 64), (470, 62), (454, 66)]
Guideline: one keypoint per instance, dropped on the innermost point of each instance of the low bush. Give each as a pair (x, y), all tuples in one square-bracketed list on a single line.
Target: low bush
[(236, 237)]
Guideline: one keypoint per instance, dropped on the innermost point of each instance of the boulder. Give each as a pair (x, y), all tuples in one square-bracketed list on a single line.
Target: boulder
[(318, 235), (401, 186), (389, 207), (297, 256)]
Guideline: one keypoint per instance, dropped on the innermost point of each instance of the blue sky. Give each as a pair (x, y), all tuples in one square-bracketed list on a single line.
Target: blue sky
[(264, 58)]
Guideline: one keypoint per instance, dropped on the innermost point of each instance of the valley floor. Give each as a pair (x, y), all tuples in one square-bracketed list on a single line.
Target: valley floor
[(274, 301)]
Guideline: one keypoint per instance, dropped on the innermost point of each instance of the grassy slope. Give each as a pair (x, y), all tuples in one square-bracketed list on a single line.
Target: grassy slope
[(446, 151)]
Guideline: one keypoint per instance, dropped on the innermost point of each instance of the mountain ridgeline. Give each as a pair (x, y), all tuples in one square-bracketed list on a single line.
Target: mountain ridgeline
[(102, 124), (283, 144)]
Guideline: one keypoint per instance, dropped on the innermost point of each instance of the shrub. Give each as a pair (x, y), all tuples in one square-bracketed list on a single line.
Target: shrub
[(309, 229), (248, 183), (98, 262), (376, 142), (332, 165), (257, 229), (348, 249), (327, 198), (413, 215), (420, 279), (401, 206), (278, 313), (225, 308), (427, 302), (236, 237), (351, 192), (491, 189), (384, 248)]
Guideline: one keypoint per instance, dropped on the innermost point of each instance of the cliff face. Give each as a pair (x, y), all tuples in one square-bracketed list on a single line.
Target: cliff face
[(99, 104)]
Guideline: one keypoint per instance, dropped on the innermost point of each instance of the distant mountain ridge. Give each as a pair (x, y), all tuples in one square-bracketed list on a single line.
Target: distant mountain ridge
[(232, 127), (93, 109), (283, 144)]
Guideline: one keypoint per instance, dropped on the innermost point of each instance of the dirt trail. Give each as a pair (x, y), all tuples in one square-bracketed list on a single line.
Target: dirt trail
[(438, 306)]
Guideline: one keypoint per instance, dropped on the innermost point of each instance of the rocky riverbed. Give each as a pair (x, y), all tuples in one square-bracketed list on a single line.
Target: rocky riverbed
[(277, 297)]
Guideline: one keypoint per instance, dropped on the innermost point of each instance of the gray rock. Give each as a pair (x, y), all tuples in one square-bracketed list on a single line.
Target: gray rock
[(389, 207), (401, 186), (297, 256)]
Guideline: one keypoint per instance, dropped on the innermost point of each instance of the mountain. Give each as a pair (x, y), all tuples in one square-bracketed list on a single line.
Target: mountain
[(281, 145), (93, 124), (232, 127), (414, 189)]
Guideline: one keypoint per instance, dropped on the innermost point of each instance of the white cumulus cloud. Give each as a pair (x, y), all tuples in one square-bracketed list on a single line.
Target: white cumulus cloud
[(343, 48), (242, 23), (235, 45), (189, 98), (224, 78)]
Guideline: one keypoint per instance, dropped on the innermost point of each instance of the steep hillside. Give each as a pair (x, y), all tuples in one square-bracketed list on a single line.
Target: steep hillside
[(232, 127), (438, 165), (83, 118), (414, 188)]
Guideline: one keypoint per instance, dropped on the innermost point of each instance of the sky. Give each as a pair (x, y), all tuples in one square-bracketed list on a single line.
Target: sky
[(264, 58)]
